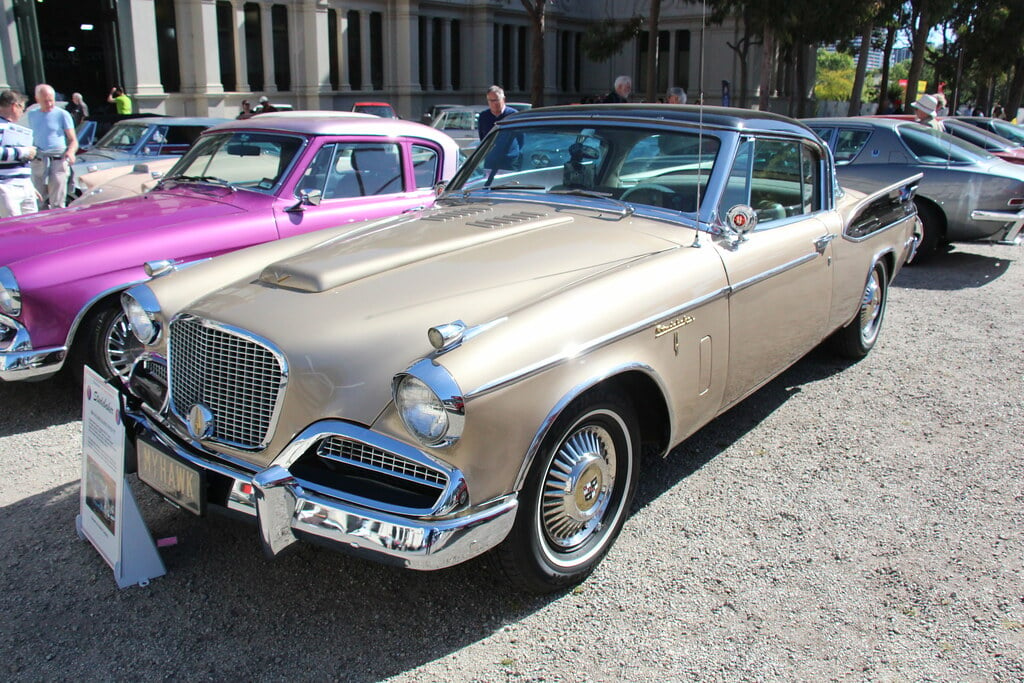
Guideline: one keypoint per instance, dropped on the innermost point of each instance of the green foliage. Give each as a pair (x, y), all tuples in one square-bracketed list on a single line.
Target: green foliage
[(836, 74), (606, 38)]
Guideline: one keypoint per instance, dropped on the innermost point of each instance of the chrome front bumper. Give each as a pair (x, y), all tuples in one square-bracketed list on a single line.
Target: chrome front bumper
[(19, 361), (1012, 234), (285, 512)]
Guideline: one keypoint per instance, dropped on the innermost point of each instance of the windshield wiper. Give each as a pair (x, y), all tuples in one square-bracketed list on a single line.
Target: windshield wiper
[(581, 192), (515, 186), (212, 179)]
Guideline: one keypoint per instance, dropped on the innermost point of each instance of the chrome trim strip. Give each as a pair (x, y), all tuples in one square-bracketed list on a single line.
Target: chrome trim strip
[(894, 224), (777, 270), (593, 345)]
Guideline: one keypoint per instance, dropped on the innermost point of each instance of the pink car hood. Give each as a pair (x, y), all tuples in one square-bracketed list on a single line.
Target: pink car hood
[(80, 228)]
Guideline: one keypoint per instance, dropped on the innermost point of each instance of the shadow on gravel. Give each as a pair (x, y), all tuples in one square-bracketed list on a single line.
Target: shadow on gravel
[(953, 270), (225, 611), (660, 474), (29, 406)]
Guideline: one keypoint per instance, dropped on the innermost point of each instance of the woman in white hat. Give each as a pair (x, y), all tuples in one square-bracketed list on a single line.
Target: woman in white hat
[(924, 111)]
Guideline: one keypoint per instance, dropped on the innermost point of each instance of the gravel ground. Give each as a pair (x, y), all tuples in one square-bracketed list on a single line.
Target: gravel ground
[(848, 522)]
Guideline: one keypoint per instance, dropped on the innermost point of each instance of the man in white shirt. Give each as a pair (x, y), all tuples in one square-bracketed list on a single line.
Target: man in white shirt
[(17, 194)]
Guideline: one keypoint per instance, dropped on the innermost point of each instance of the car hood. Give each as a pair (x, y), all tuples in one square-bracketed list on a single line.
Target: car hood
[(36, 235), (351, 312)]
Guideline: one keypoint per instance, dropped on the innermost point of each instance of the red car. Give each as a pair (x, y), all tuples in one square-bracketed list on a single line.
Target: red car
[(382, 109)]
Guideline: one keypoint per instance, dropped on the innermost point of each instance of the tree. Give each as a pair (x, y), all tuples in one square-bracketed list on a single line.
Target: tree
[(536, 10)]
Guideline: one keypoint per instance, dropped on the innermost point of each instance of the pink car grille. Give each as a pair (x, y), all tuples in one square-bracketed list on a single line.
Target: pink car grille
[(236, 378)]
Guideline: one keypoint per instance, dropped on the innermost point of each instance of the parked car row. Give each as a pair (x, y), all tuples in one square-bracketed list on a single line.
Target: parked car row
[(304, 338)]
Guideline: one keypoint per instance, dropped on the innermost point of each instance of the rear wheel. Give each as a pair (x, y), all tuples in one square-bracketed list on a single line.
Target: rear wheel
[(858, 338), (933, 229), (576, 496)]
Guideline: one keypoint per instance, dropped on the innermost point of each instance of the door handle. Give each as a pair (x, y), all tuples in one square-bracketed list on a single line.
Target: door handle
[(822, 242)]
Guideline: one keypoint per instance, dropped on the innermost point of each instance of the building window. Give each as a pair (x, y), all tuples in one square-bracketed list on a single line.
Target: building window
[(522, 52), (167, 45), (355, 51), (456, 55), (661, 78), (226, 45), (377, 50), (682, 60), (282, 51), (569, 61), (332, 49), (436, 54), (253, 46)]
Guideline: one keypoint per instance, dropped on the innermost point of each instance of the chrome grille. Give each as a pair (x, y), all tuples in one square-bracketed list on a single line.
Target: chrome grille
[(236, 377), (364, 455)]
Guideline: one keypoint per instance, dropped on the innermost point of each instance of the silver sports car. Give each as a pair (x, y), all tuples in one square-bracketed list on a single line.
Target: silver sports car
[(966, 194)]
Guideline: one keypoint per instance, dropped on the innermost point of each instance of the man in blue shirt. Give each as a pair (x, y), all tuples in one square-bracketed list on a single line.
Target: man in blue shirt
[(53, 134), (496, 111)]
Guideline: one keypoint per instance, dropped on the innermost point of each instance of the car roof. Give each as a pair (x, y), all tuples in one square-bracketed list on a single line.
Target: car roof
[(333, 123), (729, 118), (875, 121), (175, 120)]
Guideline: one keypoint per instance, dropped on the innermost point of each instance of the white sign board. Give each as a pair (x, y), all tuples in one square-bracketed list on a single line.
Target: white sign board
[(108, 516)]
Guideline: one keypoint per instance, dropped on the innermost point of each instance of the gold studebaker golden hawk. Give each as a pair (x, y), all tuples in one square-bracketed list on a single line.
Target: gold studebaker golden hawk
[(595, 282)]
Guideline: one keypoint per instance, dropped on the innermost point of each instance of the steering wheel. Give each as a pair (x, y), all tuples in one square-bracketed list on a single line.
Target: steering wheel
[(648, 187)]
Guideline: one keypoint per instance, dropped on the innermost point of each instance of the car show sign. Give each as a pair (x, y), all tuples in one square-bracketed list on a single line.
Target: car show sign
[(108, 515)]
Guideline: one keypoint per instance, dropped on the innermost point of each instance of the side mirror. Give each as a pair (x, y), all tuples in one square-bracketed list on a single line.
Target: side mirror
[(306, 198)]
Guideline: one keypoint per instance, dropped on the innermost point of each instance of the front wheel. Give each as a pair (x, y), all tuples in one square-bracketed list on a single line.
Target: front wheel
[(858, 338), (106, 343), (576, 496)]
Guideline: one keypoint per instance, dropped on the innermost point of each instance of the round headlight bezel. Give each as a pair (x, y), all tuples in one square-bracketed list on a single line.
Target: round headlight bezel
[(430, 404), (10, 293), (141, 308)]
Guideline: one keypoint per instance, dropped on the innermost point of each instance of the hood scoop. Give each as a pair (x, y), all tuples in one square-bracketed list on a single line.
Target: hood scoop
[(334, 264)]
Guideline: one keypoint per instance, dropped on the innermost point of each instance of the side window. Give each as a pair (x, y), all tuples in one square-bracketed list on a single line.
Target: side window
[(849, 143), (425, 166), (363, 169), (315, 175), (810, 181), (776, 179)]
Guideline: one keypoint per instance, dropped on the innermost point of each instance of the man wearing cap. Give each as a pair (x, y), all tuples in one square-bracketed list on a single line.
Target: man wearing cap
[(924, 112)]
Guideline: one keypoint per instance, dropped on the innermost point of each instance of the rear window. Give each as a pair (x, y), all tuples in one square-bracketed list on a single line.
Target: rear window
[(932, 147)]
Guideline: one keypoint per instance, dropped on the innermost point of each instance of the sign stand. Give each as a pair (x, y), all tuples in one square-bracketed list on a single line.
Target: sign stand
[(108, 515)]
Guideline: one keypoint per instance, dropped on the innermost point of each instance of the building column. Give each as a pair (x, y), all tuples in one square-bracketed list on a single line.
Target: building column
[(198, 51), (343, 82), (479, 67), (404, 68), (241, 59), (310, 66), (141, 68), (672, 46), (269, 83)]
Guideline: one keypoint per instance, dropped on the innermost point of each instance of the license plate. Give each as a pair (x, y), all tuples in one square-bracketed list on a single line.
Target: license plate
[(170, 477)]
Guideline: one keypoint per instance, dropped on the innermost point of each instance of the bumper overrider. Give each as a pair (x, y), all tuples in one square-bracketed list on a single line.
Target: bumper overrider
[(287, 508), (1011, 233), (19, 361)]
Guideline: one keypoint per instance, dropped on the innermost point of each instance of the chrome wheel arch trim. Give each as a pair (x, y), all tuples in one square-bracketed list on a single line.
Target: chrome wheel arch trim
[(575, 393)]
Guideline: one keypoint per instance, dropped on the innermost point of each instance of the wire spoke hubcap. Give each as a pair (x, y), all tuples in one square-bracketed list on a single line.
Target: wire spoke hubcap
[(122, 347), (578, 487)]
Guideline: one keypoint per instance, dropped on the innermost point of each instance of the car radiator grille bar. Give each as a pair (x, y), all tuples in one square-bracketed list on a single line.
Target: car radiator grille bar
[(364, 455), (238, 379)]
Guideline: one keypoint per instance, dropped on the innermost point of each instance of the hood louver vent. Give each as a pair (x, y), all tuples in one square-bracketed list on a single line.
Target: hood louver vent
[(508, 219), (455, 213)]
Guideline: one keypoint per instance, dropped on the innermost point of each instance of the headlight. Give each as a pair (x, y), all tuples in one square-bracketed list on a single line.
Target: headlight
[(141, 308), (430, 404), (10, 294)]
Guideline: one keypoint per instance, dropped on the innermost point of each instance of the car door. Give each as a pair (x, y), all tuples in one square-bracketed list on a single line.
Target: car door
[(359, 180), (780, 274)]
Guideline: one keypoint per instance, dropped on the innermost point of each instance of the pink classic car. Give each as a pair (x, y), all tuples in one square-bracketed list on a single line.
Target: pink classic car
[(242, 183)]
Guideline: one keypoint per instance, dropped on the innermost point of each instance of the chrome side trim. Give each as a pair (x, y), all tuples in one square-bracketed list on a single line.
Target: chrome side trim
[(594, 344), (777, 270)]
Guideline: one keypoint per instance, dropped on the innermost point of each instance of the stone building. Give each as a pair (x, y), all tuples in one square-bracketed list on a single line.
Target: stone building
[(202, 57)]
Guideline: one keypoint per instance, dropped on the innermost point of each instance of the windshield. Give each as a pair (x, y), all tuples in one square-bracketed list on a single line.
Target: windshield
[(933, 147), (662, 168), (256, 161), (123, 136)]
